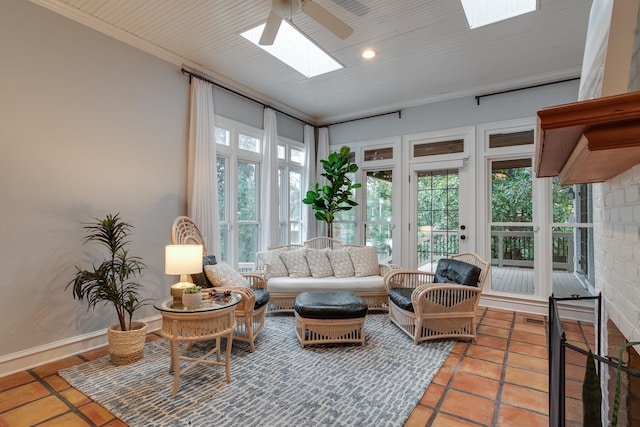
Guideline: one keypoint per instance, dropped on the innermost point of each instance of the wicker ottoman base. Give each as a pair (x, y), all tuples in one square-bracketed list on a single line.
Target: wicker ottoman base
[(326, 326)]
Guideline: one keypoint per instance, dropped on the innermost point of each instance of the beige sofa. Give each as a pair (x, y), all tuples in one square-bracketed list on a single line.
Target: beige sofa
[(322, 264)]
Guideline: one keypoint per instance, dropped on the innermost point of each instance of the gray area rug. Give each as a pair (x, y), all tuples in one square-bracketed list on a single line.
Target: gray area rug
[(278, 385)]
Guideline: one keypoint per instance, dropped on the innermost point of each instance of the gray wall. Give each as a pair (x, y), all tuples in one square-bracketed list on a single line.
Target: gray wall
[(243, 110), (456, 113), (88, 126)]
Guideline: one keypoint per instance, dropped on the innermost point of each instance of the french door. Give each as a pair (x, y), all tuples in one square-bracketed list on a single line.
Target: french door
[(440, 202), (439, 220)]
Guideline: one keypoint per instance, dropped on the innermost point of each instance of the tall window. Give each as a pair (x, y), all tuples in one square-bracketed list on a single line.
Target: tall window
[(378, 223), (238, 170), (291, 156), (572, 231)]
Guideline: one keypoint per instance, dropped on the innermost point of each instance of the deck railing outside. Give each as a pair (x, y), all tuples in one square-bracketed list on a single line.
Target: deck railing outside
[(508, 248)]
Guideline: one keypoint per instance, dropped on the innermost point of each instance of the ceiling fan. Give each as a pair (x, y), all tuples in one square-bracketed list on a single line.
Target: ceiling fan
[(285, 9)]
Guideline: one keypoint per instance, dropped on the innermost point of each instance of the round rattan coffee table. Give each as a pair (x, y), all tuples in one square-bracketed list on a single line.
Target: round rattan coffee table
[(212, 320)]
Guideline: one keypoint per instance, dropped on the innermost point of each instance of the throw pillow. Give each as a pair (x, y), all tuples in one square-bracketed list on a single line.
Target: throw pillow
[(365, 260), (296, 262), (200, 279), (275, 266), (319, 264), (341, 263), (223, 275)]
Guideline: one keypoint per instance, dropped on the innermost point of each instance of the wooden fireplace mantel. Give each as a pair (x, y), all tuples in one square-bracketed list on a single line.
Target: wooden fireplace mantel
[(589, 141)]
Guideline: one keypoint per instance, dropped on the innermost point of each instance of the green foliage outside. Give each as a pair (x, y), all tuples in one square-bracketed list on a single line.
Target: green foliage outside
[(511, 195), (379, 211), (438, 214), (511, 201)]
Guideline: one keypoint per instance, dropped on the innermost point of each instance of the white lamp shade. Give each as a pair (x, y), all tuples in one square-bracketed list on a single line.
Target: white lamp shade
[(183, 259)]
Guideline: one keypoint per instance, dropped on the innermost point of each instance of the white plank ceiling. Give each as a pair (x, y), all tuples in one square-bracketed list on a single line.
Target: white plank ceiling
[(426, 52)]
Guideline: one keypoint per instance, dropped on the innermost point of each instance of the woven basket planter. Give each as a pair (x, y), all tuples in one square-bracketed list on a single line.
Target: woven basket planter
[(126, 347)]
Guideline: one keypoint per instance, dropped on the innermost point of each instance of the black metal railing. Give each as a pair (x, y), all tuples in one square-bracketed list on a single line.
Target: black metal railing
[(557, 357)]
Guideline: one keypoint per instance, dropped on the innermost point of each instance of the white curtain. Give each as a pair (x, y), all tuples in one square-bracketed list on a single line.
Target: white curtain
[(202, 179), (308, 219), (269, 199), (323, 153)]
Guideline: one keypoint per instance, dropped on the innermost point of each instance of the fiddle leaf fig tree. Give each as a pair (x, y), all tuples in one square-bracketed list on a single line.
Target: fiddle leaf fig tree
[(336, 195)]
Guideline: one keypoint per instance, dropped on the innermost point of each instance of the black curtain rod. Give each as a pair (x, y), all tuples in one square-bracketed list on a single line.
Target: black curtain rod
[(523, 88), (191, 74), (398, 112)]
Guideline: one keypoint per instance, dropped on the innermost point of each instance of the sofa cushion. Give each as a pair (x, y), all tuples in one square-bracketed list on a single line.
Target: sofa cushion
[(341, 263), (331, 283), (402, 298), (275, 266), (458, 272), (296, 262), (262, 297), (365, 260), (224, 275), (319, 263), (200, 279)]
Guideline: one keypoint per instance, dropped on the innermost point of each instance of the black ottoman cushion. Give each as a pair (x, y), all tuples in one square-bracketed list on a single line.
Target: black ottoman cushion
[(330, 305)]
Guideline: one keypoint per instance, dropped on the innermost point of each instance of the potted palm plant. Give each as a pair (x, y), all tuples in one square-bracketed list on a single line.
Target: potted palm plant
[(113, 282), (337, 194)]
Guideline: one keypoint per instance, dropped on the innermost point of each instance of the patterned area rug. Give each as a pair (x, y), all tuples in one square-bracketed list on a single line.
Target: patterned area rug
[(278, 385)]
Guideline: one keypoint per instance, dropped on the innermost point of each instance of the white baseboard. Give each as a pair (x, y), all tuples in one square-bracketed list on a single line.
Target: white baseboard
[(574, 310), (36, 356)]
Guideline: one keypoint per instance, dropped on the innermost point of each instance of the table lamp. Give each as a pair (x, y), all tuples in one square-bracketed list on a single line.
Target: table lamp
[(182, 260)]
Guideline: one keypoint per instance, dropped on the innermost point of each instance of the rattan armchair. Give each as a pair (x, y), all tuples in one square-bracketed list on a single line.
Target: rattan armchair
[(425, 310), (249, 318)]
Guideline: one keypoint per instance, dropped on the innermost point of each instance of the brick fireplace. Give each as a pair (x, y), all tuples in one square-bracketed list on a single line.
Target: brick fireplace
[(629, 412)]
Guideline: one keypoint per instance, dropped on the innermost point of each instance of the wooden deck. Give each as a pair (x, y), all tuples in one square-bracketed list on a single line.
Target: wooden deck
[(520, 280)]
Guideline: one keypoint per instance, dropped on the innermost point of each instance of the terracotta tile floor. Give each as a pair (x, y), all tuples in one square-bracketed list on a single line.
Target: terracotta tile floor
[(498, 380)]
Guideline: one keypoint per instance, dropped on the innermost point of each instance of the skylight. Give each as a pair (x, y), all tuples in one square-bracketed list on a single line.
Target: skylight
[(484, 12), (296, 50)]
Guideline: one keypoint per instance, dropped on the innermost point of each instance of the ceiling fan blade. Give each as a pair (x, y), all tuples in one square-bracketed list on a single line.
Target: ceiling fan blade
[(353, 6), (270, 29), (326, 19)]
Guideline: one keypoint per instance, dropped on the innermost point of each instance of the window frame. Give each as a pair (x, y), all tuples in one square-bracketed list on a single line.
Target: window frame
[(233, 155), (285, 167)]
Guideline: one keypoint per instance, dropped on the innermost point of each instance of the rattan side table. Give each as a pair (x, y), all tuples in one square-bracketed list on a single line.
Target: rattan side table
[(211, 320)]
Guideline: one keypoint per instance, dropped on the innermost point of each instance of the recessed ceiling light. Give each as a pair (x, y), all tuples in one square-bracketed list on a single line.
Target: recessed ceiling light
[(368, 53)]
